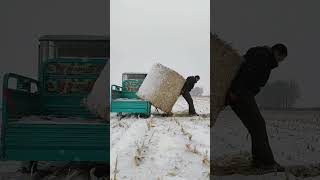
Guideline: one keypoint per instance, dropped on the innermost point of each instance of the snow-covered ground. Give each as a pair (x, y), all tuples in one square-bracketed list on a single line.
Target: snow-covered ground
[(293, 135), (162, 147)]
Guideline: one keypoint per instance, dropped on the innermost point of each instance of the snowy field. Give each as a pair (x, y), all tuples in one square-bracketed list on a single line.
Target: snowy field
[(162, 148), (293, 135)]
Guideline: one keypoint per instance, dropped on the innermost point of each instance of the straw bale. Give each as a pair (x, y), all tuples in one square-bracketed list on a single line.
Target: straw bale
[(162, 87), (225, 62)]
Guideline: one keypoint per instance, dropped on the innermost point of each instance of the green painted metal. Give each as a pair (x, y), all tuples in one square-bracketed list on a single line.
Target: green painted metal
[(21, 141), (129, 106), (125, 100), (79, 142), (66, 82), (63, 83)]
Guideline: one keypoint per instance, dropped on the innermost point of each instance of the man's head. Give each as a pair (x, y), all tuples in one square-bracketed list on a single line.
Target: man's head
[(197, 77), (280, 52)]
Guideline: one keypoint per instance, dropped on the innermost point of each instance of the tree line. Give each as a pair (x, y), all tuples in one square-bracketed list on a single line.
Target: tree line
[(279, 94)]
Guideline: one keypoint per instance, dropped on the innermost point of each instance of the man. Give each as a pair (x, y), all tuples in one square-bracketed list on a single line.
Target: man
[(253, 74), (185, 92)]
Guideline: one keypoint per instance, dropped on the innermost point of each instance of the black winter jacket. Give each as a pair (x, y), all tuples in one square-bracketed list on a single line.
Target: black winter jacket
[(254, 72), (189, 84)]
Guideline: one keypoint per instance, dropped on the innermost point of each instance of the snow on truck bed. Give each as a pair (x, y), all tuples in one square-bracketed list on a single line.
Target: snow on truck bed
[(162, 147)]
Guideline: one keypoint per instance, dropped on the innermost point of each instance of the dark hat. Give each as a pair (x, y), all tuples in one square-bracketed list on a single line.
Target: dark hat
[(281, 48)]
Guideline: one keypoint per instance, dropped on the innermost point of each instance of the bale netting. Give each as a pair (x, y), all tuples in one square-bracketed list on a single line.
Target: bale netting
[(162, 87), (225, 62)]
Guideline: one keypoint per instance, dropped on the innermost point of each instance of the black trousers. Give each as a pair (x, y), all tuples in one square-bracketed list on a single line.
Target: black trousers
[(186, 95), (248, 111)]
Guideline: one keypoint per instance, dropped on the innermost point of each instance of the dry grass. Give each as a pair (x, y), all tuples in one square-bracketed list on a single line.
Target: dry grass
[(190, 137), (140, 150), (184, 132), (115, 171), (120, 124), (205, 159), (192, 148), (150, 124), (172, 174)]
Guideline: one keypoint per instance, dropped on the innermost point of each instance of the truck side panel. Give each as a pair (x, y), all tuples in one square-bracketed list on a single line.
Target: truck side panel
[(52, 142), (58, 142)]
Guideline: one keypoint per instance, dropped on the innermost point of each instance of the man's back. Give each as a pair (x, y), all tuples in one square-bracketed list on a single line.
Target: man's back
[(189, 84), (254, 71)]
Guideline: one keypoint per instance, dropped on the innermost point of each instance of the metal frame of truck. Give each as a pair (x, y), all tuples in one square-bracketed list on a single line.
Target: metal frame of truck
[(124, 98), (55, 142)]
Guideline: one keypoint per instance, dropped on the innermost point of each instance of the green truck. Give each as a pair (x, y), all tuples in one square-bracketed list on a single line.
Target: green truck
[(124, 98), (44, 119)]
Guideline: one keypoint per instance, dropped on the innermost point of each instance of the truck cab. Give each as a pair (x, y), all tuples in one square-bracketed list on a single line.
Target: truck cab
[(124, 98), (44, 119)]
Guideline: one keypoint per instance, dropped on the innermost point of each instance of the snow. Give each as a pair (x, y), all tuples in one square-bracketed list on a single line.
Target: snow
[(165, 154), (293, 136)]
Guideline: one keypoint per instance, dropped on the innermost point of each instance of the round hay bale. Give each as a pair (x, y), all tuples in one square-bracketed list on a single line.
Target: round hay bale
[(225, 62), (162, 87), (98, 99)]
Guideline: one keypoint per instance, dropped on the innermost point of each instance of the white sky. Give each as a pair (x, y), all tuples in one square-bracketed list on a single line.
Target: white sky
[(174, 33)]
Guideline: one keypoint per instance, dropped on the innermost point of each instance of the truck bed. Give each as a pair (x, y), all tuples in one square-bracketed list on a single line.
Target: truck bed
[(27, 133), (56, 142), (57, 120)]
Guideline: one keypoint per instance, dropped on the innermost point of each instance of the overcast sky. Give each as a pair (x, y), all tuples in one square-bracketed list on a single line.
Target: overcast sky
[(174, 33), (248, 23)]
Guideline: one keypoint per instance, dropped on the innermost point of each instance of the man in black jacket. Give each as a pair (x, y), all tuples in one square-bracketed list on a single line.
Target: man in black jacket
[(253, 74), (185, 92)]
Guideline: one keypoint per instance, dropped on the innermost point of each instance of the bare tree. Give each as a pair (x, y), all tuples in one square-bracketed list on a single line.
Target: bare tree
[(279, 94)]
